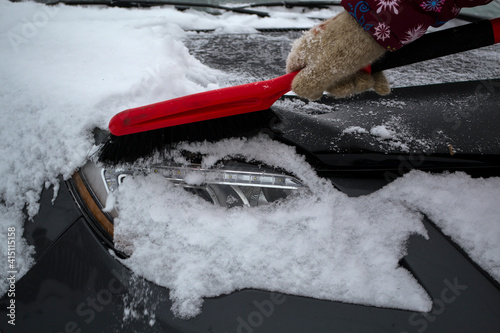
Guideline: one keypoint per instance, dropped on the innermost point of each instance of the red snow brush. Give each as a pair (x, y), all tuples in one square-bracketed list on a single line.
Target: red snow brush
[(206, 105), (243, 110)]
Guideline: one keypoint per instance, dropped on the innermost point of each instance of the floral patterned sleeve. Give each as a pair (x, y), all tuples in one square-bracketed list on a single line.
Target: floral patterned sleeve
[(395, 23)]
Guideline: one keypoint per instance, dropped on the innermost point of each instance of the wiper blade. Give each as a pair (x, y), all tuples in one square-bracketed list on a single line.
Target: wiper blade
[(151, 3), (290, 4)]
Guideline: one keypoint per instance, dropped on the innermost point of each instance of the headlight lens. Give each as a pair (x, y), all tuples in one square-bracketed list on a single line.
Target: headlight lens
[(233, 184), (229, 184)]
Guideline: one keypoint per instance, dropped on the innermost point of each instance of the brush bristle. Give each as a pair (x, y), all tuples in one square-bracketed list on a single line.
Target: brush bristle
[(129, 148)]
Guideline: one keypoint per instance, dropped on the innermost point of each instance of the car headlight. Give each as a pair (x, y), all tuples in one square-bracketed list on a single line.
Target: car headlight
[(230, 184), (249, 185)]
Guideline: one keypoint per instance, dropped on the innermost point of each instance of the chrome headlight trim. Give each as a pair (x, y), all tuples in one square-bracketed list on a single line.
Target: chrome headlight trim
[(195, 175)]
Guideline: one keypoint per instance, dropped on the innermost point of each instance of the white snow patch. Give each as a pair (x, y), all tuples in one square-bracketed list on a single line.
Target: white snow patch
[(68, 73), (382, 132), (339, 248), (466, 209), (194, 178), (396, 133), (355, 130)]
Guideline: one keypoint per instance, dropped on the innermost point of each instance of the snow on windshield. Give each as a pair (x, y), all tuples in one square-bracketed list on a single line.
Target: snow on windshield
[(66, 70)]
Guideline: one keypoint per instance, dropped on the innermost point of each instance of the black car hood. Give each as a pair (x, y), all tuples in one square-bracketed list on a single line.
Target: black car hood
[(442, 125)]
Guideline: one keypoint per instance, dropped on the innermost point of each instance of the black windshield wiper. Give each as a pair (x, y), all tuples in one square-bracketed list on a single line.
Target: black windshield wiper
[(291, 4), (327, 4), (151, 3)]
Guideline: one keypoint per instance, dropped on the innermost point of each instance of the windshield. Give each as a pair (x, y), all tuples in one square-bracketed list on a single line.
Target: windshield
[(488, 11)]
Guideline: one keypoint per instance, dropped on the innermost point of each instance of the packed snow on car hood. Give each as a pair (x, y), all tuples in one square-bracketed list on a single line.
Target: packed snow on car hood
[(66, 70)]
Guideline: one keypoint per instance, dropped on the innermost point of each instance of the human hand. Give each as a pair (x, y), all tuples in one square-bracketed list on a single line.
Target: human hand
[(329, 57)]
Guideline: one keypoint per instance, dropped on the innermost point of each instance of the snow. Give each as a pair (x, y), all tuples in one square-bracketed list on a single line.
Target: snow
[(66, 70), (339, 248), (382, 132), (465, 209), (392, 134), (65, 75), (355, 130)]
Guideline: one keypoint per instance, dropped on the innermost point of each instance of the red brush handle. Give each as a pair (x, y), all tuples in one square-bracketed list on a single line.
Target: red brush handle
[(202, 106), (206, 105)]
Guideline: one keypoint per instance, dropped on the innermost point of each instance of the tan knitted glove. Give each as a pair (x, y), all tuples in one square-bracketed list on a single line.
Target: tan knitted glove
[(330, 56)]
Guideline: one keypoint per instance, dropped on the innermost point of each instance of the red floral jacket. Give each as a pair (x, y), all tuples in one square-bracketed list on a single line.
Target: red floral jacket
[(395, 23)]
